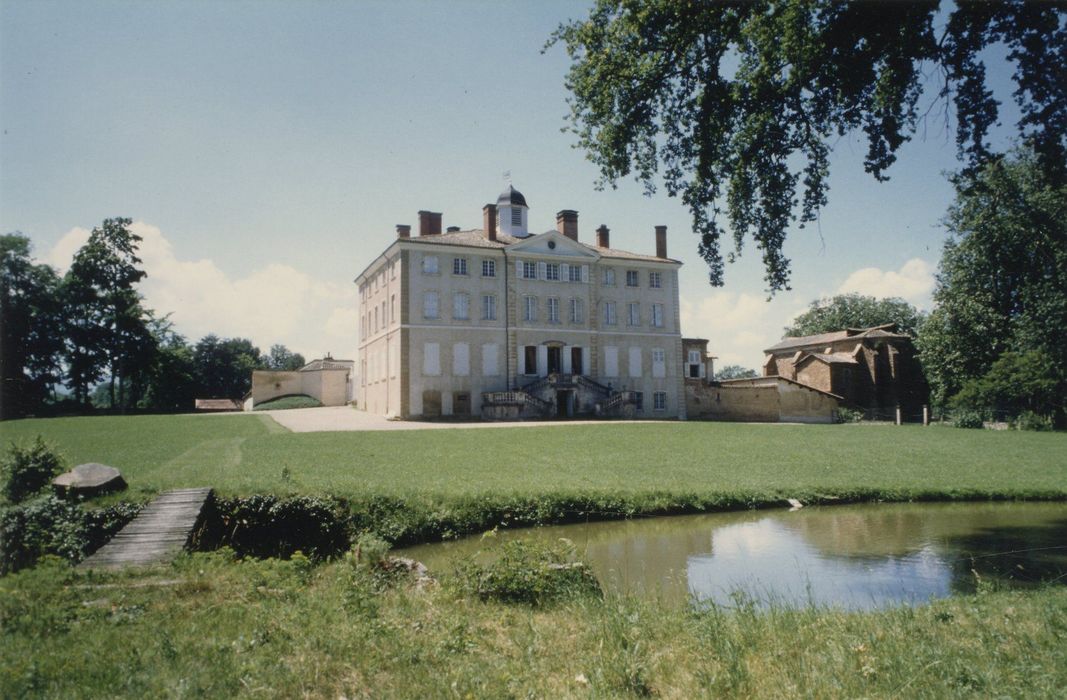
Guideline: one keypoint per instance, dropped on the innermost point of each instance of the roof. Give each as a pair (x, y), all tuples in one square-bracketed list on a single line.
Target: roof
[(218, 405), (822, 339), (475, 238), (764, 382), (511, 196), (328, 363), (834, 359)]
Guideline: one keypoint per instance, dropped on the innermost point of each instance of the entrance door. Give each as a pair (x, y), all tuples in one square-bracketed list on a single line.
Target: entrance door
[(554, 361), (563, 407), (461, 404), (576, 361)]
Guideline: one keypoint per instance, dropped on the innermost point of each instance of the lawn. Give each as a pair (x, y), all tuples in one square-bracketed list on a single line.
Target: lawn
[(241, 454), (210, 627)]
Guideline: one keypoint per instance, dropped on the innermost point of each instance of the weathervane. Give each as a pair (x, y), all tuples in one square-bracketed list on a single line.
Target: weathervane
[(507, 177)]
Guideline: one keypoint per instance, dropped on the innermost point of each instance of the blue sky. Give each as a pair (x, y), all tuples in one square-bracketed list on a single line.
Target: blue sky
[(267, 150)]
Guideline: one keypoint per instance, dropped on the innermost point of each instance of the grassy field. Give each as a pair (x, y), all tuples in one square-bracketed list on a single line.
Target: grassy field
[(216, 628), (243, 454)]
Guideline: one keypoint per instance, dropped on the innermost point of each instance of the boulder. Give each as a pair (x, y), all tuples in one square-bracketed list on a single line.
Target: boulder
[(89, 480)]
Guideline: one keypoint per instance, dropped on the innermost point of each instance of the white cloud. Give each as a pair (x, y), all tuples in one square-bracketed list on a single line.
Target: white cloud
[(738, 326), (914, 282), (273, 304)]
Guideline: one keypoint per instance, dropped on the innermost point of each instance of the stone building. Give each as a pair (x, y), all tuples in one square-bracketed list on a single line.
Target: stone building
[(505, 323), (872, 369), (328, 380)]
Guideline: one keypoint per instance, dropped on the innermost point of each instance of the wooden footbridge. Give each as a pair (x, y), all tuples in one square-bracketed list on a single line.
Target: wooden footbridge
[(158, 533)]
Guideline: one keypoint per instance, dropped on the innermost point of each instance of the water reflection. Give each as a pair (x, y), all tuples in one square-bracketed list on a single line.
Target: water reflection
[(849, 556)]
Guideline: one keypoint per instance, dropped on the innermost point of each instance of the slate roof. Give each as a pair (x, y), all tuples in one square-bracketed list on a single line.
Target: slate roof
[(328, 363), (823, 339), (511, 196), (832, 359), (475, 238)]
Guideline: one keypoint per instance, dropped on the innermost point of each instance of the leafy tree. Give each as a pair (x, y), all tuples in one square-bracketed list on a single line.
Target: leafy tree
[(282, 358), (30, 328), (737, 103), (172, 383), (108, 330), (1017, 382), (224, 366), (735, 372), (854, 311), (1002, 281)]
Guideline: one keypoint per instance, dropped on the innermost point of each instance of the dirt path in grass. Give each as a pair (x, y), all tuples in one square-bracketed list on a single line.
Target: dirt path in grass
[(345, 418)]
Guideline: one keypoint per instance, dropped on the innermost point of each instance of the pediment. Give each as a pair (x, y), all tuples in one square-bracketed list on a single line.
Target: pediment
[(552, 243)]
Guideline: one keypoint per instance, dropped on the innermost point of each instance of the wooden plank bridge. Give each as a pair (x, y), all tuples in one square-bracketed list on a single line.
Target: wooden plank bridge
[(156, 535)]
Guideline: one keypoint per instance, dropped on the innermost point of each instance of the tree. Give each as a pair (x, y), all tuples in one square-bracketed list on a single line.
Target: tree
[(172, 383), (855, 311), (737, 103), (282, 358), (30, 328), (1002, 280), (108, 330), (224, 366), (735, 372), (1016, 382)]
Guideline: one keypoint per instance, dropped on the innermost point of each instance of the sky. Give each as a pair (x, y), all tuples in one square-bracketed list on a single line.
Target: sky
[(266, 151)]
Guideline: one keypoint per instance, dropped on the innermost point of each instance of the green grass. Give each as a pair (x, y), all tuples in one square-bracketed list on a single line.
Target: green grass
[(272, 628), (245, 454), (287, 402)]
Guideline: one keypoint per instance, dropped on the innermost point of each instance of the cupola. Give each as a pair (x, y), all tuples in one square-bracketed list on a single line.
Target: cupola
[(511, 213)]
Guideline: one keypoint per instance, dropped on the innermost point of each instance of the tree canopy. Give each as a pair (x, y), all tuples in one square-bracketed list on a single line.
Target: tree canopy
[(1002, 281), (735, 372), (736, 104), (854, 311)]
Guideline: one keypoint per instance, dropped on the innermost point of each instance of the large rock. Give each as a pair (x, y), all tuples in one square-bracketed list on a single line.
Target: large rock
[(89, 480)]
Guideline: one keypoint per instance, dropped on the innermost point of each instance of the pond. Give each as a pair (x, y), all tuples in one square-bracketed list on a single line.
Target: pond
[(854, 557)]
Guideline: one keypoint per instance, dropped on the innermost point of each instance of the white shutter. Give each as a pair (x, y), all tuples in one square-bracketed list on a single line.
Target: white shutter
[(522, 360), (611, 361), (659, 364), (542, 271), (564, 272), (461, 360), (585, 274), (431, 359), (489, 360), (542, 359), (566, 352), (635, 362), (518, 269), (585, 361)]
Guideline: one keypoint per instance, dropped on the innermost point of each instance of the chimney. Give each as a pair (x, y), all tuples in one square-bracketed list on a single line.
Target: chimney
[(403, 231), (429, 223), (489, 221), (567, 223), (661, 241), (451, 229), (602, 237)]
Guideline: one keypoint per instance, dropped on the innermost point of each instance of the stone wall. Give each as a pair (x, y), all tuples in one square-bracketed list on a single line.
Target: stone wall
[(761, 400)]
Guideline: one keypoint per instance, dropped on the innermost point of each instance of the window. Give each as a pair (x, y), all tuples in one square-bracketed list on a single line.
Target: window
[(516, 216), (461, 307), (635, 362), (392, 269), (552, 272), (459, 266), (431, 359), (392, 309), (695, 365), (611, 361), (609, 277), (375, 319), (609, 313), (659, 364), (530, 356), (529, 271), (430, 305), (659, 401), (490, 363), (655, 280), (574, 273), (429, 264), (488, 307), (529, 308), (639, 400), (631, 278), (489, 268), (461, 360), (657, 315), (633, 317), (553, 310), (576, 310)]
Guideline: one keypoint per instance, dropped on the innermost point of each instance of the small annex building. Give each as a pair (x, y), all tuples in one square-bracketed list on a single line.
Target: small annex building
[(875, 370), (327, 380)]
